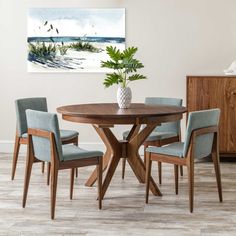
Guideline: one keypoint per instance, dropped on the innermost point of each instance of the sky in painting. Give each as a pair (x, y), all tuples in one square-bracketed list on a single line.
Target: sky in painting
[(76, 22)]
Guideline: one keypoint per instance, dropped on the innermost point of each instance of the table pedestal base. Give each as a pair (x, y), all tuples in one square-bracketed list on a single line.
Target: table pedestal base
[(118, 149)]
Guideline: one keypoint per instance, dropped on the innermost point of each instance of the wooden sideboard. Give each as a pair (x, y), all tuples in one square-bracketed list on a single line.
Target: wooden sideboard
[(205, 92)]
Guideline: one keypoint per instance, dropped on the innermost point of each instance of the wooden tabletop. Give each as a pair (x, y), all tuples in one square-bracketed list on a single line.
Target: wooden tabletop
[(112, 110), (110, 113)]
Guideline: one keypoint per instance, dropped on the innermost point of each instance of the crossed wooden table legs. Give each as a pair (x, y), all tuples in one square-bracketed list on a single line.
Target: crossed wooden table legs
[(125, 148)]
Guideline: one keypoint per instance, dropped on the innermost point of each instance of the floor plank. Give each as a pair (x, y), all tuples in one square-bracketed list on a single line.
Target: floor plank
[(124, 210)]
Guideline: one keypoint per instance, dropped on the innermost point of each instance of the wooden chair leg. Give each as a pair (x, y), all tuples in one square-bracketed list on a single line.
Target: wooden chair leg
[(176, 167), (99, 174), (28, 169), (15, 156), (72, 175), (159, 171), (48, 172), (145, 154), (215, 158), (190, 168), (181, 170), (148, 174), (43, 166), (54, 176), (76, 143), (123, 167)]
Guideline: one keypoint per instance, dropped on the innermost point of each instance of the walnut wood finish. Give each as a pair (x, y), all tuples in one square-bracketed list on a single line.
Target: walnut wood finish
[(74, 141), (133, 132), (157, 143), (19, 141), (110, 114), (189, 162), (43, 167), (105, 116), (205, 92), (57, 165)]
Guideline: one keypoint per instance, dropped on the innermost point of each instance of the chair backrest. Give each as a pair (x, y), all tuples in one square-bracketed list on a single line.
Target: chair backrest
[(38, 103), (198, 120), (48, 122), (170, 126)]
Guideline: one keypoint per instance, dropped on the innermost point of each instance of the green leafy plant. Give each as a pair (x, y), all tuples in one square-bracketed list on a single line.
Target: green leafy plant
[(123, 63)]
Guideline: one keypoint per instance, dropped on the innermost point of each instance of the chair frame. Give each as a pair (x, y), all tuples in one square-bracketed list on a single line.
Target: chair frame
[(157, 143), (57, 165), (188, 161), (20, 140)]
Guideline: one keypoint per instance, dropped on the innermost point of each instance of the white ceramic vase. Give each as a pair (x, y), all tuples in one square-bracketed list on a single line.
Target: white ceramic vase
[(124, 96)]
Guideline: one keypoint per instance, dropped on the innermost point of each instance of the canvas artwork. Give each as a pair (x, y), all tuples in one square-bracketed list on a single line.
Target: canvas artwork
[(72, 40)]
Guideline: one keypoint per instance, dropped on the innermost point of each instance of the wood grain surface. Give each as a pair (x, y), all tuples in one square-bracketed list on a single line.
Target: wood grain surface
[(110, 113), (205, 92)]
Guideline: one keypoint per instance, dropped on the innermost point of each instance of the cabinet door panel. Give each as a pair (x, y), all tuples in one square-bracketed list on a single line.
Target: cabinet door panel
[(229, 115), (216, 92)]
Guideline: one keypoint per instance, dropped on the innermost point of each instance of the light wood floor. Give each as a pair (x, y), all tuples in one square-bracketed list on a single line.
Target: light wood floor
[(124, 211)]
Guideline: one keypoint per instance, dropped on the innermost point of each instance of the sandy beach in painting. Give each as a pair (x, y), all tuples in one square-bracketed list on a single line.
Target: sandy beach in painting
[(75, 61)]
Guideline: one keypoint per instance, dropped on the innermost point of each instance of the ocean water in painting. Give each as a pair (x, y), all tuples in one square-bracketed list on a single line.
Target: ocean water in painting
[(72, 40)]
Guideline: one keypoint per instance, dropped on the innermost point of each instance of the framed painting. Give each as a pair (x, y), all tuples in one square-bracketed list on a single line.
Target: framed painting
[(72, 40)]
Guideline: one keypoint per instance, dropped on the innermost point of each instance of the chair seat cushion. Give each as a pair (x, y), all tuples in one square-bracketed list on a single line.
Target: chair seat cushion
[(25, 135), (173, 149), (72, 152), (68, 134), (65, 134), (154, 136)]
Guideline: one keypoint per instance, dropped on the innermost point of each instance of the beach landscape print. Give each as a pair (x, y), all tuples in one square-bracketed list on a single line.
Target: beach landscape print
[(73, 40)]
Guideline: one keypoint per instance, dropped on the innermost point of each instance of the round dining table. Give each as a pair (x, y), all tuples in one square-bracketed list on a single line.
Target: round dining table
[(103, 117)]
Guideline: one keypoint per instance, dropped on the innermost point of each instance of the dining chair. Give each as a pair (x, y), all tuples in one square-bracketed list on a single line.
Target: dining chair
[(163, 134), (40, 104), (201, 140), (45, 145)]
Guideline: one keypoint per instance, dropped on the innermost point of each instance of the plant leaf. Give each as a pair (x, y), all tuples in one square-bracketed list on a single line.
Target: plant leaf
[(129, 52), (136, 77), (111, 79), (110, 64), (114, 53), (132, 65)]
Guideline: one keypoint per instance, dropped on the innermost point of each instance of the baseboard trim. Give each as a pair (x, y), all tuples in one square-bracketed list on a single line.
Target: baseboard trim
[(7, 146)]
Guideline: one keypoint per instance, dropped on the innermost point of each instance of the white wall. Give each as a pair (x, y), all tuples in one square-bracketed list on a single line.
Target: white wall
[(175, 38)]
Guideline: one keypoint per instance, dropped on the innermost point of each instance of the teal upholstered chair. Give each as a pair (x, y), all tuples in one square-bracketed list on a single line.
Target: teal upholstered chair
[(44, 144), (40, 104), (201, 140), (164, 134)]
